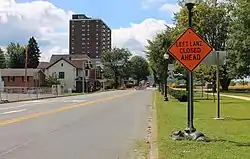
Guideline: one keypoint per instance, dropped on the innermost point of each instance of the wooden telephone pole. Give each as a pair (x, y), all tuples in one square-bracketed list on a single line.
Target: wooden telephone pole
[(26, 66)]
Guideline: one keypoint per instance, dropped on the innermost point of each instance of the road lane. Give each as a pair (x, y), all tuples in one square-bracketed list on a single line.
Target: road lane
[(37, 106), (102, 129)]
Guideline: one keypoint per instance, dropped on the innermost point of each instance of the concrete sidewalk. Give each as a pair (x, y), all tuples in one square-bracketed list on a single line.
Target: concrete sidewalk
[(236, 97)]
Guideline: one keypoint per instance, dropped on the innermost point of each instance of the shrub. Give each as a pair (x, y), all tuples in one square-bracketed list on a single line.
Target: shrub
[(180, 95), (232, 83)]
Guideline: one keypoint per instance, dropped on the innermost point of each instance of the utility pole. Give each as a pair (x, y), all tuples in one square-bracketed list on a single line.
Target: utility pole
[(83, 76), (26, 66)]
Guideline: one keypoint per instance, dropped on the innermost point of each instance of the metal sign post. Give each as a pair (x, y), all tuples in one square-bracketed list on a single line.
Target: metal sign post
[(190, 49), (216, 58)]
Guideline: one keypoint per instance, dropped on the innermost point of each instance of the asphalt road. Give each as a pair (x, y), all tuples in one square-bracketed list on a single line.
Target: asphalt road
[(95, 126)]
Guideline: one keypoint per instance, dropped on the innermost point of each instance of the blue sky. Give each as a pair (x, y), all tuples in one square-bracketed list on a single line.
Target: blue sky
[(117, 13), (48, 21)]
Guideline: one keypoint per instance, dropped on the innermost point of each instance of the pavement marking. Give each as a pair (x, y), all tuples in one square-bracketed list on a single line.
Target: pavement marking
[(14, 111), (74, 101), (15, 120), (29, 103)]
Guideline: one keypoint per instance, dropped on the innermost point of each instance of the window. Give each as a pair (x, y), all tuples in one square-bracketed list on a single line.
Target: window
[(98, 73), (61, 75), (62, 64), (86, 72), (77, 73), (23, 78), (11, 79)]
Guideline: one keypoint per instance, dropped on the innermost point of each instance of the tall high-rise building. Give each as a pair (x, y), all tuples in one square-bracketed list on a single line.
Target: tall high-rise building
[(88, 36)]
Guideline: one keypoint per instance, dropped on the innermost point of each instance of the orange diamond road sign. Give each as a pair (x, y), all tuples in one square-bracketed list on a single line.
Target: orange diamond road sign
[(190, 49)]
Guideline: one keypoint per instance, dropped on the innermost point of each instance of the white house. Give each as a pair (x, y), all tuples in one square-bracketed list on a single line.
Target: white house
[(70, 73)]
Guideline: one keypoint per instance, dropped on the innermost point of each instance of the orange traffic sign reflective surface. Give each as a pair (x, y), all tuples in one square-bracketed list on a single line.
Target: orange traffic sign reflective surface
[(190, 49)]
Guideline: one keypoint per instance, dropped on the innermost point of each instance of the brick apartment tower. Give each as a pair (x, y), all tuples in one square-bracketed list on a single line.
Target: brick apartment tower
[(88, 36)]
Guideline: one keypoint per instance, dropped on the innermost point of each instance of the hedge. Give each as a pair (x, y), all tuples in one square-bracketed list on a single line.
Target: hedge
[(180, 95)]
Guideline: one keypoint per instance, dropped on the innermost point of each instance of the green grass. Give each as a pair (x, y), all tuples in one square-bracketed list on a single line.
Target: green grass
[(232, 134)]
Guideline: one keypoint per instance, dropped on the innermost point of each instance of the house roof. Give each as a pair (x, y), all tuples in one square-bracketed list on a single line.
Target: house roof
[(43, 65), (55, 58), (18, 72), (74, 63)]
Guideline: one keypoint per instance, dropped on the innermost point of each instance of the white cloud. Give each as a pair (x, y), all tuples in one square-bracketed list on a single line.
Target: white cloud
[(171, 8), (41, 19), (49, 25), (135, 37)]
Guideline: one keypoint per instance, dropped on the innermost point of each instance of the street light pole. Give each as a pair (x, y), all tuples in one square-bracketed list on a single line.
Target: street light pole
[(190, 127), (166, 57)]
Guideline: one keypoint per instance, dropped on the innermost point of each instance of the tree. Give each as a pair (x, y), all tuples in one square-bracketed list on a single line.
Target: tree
[(238, 44), (212, 23), (115, 63), (15, 56), (50, 80), (33, 53), (139, 68), (155, 51), (2, 59)]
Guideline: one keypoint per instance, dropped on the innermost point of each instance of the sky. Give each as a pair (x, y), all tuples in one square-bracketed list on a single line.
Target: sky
[(132, 21)]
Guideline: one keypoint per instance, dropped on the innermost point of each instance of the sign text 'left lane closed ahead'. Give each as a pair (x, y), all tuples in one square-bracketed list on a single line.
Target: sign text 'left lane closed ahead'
[(190, 49)]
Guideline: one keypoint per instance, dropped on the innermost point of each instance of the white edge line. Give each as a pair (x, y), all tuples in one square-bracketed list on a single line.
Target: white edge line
[(14, 111)]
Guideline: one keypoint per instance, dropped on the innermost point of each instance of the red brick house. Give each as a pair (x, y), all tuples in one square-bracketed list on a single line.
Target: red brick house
[(16, 77)]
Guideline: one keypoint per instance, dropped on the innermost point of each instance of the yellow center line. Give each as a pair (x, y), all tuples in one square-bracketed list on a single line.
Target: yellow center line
[(32, 116)]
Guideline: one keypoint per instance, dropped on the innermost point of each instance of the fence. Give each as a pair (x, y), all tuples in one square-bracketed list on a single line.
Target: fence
[(22, 93)]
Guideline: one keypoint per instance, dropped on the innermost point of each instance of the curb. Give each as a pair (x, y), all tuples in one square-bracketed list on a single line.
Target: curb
[(153, 136)]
